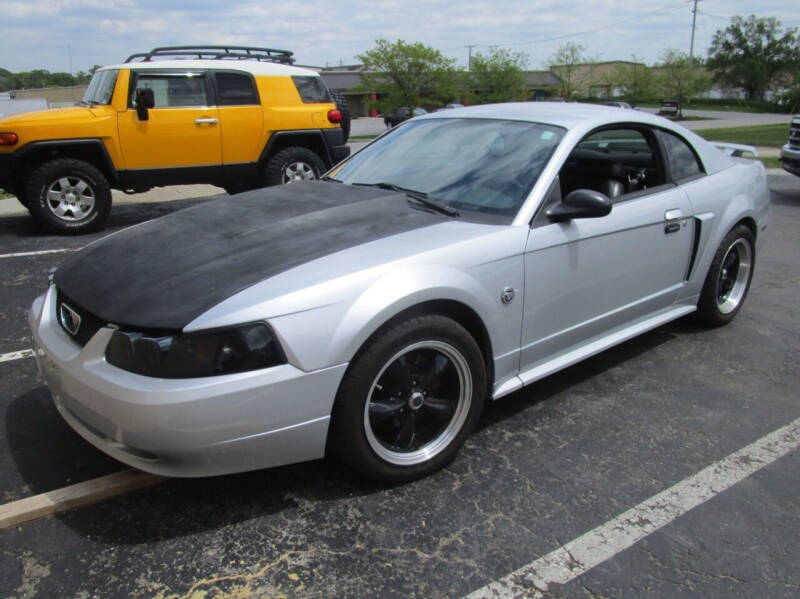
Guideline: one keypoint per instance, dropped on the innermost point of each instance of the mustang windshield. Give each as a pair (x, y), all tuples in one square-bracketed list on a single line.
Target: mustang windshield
[(483, 165), (101, 87)]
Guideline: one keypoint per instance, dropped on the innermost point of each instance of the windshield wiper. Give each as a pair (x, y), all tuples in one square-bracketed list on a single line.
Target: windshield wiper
[(413, 194)]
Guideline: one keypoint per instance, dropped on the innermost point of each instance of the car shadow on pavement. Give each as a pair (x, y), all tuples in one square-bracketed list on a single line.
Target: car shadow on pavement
[(180, 507), (45, 453), (560, 382), (122, 215)]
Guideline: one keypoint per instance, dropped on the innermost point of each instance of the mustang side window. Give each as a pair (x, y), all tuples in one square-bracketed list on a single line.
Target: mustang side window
[(615, 162), (683, 163)]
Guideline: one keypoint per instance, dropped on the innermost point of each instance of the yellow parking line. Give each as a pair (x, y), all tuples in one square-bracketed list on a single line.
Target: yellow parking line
[(73, 496)]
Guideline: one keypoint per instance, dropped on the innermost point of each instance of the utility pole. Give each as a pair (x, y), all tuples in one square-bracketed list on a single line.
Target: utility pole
[(694, 22), (469, 63)]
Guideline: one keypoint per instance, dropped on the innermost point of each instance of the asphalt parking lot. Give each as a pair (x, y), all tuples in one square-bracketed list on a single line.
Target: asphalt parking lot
[(546, 466)]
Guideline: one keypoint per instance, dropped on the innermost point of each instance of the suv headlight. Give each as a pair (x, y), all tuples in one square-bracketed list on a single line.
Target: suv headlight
[(188, 355)]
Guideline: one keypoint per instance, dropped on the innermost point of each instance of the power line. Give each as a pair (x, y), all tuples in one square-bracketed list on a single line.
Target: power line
[(576, 33)]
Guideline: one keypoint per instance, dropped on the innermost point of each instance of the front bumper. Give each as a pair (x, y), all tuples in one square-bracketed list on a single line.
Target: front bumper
[(183, 427), (790, 160), (8, 166)]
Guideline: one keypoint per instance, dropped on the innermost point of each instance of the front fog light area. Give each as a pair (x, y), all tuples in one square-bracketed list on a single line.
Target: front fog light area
[(188, 355)]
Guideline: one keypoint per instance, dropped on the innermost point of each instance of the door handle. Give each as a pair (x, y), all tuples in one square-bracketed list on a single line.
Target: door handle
[(673, 214), (205, 121)]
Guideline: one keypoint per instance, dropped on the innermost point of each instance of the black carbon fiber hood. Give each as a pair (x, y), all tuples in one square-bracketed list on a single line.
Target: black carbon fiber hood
[(166, 272)]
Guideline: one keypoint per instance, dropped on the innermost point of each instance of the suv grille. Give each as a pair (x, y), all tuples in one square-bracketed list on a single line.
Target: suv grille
[(794, 134), (77, 322)]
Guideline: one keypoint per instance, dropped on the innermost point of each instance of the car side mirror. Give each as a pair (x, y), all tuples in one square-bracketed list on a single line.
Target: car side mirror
[(145, 99), (581, 203)]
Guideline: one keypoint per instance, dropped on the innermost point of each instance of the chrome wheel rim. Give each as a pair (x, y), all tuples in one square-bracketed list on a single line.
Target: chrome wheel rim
[(70, 198), (734, 276), (418, 403), (298, 171)]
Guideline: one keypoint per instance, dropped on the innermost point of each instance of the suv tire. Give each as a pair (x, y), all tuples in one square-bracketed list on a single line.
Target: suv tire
[(68, 196), (291, 165), (343, 107)]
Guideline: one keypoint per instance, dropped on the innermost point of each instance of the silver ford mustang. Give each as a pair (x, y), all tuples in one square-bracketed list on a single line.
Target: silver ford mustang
[(458, 257)]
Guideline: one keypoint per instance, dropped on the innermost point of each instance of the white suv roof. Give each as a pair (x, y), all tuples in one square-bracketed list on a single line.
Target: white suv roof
[(254, 67)]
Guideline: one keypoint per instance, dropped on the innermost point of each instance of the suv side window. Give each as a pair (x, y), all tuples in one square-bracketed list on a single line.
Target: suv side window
[(235, 89), (172, 89), (312, 90), (683, 163)]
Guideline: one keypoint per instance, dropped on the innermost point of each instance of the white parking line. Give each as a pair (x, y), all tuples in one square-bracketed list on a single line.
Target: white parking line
[(607, 540), (38, 253), (16, 355), (80, 494)]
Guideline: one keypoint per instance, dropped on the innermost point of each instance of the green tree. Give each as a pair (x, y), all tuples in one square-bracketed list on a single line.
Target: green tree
[(635, 81), (682, 76), (498, 76), (573, 67), (754, 54), (407, 75)]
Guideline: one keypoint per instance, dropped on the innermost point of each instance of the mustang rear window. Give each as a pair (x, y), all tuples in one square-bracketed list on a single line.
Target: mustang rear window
[(312, 90)]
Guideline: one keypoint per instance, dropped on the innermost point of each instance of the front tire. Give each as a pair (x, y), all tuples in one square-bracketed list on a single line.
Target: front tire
[(409, 400), (68, 196), (728, 279), (291, 165)]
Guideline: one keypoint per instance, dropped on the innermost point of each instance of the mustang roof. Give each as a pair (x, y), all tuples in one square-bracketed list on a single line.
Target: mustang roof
[(581, 118)]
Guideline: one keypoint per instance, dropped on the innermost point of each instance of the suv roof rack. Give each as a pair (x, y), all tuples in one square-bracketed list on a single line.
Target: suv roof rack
[(215, 52)]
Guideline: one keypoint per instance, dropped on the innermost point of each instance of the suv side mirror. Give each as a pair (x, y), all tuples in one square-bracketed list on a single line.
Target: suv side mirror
[(145, 99), (581, 203)]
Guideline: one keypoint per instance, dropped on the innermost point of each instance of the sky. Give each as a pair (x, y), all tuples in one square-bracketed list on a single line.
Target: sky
[(73, 35)]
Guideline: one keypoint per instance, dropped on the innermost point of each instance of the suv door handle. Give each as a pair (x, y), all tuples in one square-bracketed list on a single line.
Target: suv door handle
[(673, 214), (205, 121)]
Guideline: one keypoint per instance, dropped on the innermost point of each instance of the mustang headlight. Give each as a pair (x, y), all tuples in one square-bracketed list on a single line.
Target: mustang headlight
[(188, 355)]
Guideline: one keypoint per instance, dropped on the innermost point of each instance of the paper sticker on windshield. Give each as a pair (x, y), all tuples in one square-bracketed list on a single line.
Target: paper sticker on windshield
[(547, 135)]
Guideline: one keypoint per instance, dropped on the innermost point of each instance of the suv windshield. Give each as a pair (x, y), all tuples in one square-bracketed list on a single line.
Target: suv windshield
[(468, 164), (101, 87)]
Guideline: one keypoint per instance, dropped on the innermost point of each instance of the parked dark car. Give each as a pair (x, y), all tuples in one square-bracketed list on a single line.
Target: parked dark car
[(401, 114)]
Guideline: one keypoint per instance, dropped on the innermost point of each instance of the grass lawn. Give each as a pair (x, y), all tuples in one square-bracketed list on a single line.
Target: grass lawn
[(4, 195), (771, 161), (761, 135)]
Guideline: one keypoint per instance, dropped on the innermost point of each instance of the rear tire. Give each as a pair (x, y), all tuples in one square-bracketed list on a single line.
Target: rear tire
[(343, 107), (291, 165), (409, 400), (68, 196), (728, 278)]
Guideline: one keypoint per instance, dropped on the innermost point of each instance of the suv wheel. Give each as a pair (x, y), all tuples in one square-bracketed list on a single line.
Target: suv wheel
[(291, 165), (68, 196)]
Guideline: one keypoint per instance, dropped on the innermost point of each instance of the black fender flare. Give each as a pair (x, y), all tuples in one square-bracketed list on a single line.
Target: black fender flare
[(325, 138), (94, 143)]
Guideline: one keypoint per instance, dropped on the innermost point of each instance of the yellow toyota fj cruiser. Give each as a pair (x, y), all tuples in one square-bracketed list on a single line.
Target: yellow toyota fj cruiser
[(234, 116)]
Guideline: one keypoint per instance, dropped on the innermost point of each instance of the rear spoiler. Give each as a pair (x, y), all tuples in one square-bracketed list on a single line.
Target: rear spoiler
[(735, 149)]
